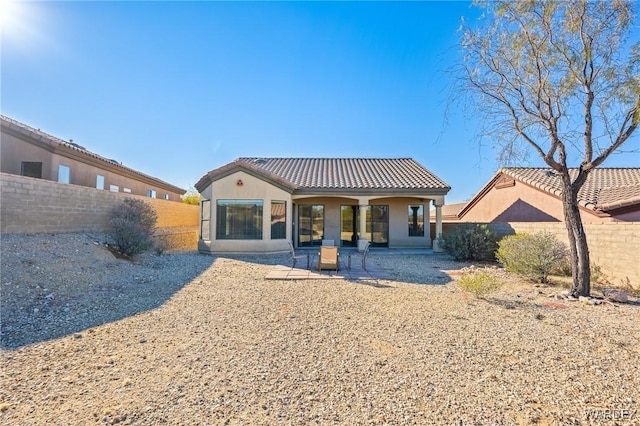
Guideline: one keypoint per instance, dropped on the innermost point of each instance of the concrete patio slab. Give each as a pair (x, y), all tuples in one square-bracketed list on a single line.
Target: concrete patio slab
[(373, 272)]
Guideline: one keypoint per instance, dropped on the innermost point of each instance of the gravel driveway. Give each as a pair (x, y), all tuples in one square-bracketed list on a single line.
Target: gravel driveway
[(184, 339)]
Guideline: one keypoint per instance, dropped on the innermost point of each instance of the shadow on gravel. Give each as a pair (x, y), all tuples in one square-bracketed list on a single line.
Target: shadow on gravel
[(419, 269), (58, 285)]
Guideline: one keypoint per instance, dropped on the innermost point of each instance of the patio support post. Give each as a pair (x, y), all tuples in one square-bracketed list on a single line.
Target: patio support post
[(436, 246), (362, 226)]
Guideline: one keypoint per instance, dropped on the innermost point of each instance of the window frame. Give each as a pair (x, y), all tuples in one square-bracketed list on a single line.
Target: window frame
[(235, 224), (414, 229), (205, 220), (64, 174), (279, 225), (27, 166)]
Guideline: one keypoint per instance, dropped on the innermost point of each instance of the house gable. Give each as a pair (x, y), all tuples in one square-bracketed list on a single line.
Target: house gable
[(242, 166), (534, 195)]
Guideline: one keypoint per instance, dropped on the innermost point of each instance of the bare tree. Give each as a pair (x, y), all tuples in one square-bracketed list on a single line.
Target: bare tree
[(561, 79)]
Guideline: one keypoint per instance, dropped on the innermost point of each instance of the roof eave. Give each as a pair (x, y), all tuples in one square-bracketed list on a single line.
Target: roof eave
[(237, 166), (59, 146), (392, 192)]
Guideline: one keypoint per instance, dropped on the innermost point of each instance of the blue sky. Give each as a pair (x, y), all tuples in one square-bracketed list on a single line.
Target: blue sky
[(175, 89)]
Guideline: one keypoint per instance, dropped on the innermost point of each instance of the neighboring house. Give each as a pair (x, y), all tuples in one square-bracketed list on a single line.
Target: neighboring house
[(31, 152), (260, 204), (522, 194)]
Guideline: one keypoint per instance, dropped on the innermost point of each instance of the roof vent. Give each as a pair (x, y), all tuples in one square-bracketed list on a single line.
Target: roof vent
[(72, 143), (260, 160), (550, 173)]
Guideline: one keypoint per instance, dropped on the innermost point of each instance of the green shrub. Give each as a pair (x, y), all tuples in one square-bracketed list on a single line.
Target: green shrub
[(132, 226), (535, 256), (480, 282), (470, 242)]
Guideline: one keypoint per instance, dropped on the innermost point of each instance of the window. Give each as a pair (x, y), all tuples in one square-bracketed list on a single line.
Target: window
[(127, 190), (349, 223), (205, 214), (278, 220), (239, 220), (99, 182), (31, 169), (64, 174), (310, 225), (166, 196), (377, 231), (151, 193), (416, 221), (114, 188)]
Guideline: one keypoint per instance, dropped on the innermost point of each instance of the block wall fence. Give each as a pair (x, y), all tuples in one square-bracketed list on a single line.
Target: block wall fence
[(30, 205), (613, 246)]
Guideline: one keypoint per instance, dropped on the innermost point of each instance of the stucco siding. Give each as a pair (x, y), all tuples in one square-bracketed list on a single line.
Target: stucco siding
[(521, 203), (84, 167), (243, 186)]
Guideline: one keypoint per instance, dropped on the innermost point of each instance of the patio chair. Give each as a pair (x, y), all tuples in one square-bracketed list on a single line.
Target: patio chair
[(328, 258), (365, 252), (295, 257)]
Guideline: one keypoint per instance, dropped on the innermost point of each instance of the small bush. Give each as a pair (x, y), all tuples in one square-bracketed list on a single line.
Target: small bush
[(159, 246), (132, 226), (480, 282), (470, 242), (535, 256)]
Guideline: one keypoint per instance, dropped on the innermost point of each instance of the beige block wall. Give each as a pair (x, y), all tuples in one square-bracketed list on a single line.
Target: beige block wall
[(613, 246), (30, 205)]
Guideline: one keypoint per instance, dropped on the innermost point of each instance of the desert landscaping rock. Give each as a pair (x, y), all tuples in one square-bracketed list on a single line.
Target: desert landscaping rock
[(185, 339)]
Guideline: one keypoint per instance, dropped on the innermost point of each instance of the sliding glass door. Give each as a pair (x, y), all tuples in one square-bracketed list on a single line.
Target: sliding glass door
[(310, 225), (349, 220), (378, 225)]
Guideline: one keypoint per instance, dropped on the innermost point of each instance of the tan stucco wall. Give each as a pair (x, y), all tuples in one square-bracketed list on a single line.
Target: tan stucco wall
[(14, 151), (252, 188), (521, 203), (516, 202), (399, 222)]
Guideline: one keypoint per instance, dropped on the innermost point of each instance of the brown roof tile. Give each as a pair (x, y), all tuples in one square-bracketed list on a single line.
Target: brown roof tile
[(345, 174), (350, 173), (605, 188)]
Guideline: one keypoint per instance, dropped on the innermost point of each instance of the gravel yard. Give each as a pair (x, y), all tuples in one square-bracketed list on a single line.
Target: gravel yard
[(184, 339)]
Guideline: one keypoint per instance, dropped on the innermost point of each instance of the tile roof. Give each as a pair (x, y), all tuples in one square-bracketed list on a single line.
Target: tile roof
[(324, 174), (605, 188)]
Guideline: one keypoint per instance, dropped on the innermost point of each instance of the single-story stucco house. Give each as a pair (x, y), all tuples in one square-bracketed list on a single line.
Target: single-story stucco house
[(262, 204), (530, 194)]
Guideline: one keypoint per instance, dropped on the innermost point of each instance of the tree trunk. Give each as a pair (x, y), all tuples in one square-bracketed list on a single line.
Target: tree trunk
[(580, 263)]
